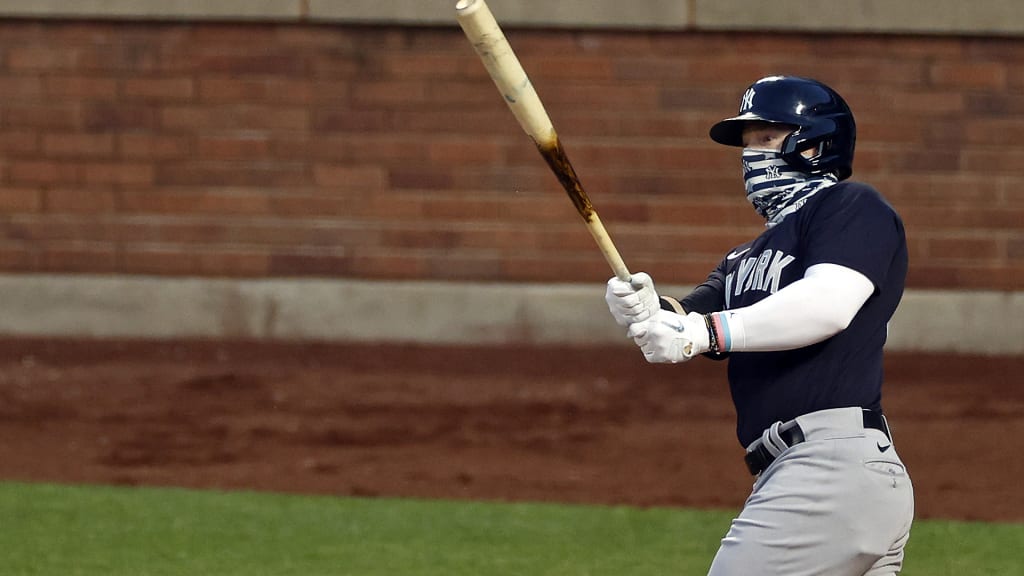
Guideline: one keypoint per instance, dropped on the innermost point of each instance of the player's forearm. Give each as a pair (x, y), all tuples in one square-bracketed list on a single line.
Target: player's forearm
[(812, 309)]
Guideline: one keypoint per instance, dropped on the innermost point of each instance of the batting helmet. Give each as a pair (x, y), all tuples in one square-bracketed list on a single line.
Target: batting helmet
[(819, 113)]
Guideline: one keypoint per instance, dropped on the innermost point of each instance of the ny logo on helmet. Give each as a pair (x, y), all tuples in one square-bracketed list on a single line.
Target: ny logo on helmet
[(748, 100)]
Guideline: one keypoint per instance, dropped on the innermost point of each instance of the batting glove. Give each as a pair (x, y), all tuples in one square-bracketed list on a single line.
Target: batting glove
[(670, 338), (633, 301)]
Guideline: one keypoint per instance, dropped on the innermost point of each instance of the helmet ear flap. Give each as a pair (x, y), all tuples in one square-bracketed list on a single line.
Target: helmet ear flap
[(821, 135)]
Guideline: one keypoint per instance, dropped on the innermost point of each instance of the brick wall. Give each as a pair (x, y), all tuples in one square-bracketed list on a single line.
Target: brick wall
[(263, 150)]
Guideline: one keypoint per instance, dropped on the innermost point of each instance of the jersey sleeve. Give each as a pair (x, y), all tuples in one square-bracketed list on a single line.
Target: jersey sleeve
[(855, 228), (709, 296)]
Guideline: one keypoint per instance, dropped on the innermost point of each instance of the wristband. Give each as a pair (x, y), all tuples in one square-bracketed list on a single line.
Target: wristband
[(712, 337), (719, 336)]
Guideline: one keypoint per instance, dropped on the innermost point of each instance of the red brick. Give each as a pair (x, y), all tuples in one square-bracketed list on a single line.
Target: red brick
[(242, 117), (232, 262), (148, 146), (128, 55), (21, 88), (13, 200), (969, 74), (964, 248), (403, 65), (386, 264), (48, 58), (719, 101), (331, 92), (349, 177), (420, 178), (101, 116), (230, 89), (44, 172), (1015, 248), (163, 89), (594, 96), (280, 63), (233, 147), (343, 120), (373, 94), (464, 152), (462, 266), (80, 200), (732, 212), (389, 207), (990, 160), (858, 72), (306, 264), (79, 257), (43, 116), (556, 268), (230, 174), (182, 260), (964, 217), (18, 257), (958, 276), (992, 131), (937, 190), (118, 173), (329, 204), (360, 148), (78, 145), (494, 120), (477, 179), (642, 156), (19, 142), (928, 160), (928, 102), (994, 104), (568, 235), (81, 87), (334, 66), (171, 201)]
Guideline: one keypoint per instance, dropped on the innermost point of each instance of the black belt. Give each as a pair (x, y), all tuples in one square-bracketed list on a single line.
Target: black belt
[(759, 458)]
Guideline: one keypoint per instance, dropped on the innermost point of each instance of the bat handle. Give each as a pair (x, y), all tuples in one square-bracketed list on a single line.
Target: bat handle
[(607, 247)]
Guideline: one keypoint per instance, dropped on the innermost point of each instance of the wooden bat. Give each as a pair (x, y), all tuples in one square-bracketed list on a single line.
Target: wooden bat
[(494, 50)]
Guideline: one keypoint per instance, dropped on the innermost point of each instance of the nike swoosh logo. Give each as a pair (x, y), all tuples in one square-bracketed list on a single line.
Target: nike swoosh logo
[(883, 448), (734, 255)]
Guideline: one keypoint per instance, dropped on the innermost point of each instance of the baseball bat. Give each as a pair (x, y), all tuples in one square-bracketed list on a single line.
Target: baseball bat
[(482, 29)]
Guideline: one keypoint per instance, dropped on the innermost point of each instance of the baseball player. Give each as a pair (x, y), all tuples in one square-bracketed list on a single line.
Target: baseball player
[(801, 314)]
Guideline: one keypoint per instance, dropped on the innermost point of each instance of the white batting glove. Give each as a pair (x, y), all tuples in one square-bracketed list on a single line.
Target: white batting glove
[(633, 301), (670, 338)]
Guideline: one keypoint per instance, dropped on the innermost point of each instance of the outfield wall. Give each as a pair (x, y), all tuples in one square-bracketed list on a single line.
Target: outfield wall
[(335, 146)]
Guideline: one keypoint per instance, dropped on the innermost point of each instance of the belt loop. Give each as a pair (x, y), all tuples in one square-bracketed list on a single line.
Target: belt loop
[(772, 441)]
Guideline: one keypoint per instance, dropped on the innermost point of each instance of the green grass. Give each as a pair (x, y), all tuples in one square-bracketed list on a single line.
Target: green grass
[(65, 530)]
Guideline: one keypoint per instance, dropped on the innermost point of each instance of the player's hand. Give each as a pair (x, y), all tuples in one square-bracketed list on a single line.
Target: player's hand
[(633, 301), (670, 338)]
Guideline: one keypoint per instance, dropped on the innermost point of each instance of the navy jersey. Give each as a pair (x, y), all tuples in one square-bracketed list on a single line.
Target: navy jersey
[(849, 224)]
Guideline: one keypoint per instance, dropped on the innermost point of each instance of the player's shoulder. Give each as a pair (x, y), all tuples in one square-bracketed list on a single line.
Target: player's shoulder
[(855, 189), (850, 193)]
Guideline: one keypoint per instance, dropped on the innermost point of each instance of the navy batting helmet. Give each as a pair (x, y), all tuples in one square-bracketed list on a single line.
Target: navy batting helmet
[(820, 115)]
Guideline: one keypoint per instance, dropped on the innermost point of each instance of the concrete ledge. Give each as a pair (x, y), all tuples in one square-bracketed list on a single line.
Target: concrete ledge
[(874, 16), (420, 312), (156, 9), (668, 14), (976, 17)]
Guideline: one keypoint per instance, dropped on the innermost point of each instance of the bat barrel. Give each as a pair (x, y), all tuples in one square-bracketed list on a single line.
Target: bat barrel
[(477, 21), (490, 44)]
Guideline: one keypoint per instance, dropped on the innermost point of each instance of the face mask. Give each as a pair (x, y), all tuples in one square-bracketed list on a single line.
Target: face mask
[(776, 189)]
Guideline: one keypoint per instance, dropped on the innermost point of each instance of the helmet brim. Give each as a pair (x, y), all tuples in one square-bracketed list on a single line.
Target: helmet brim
[(730, 130)]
